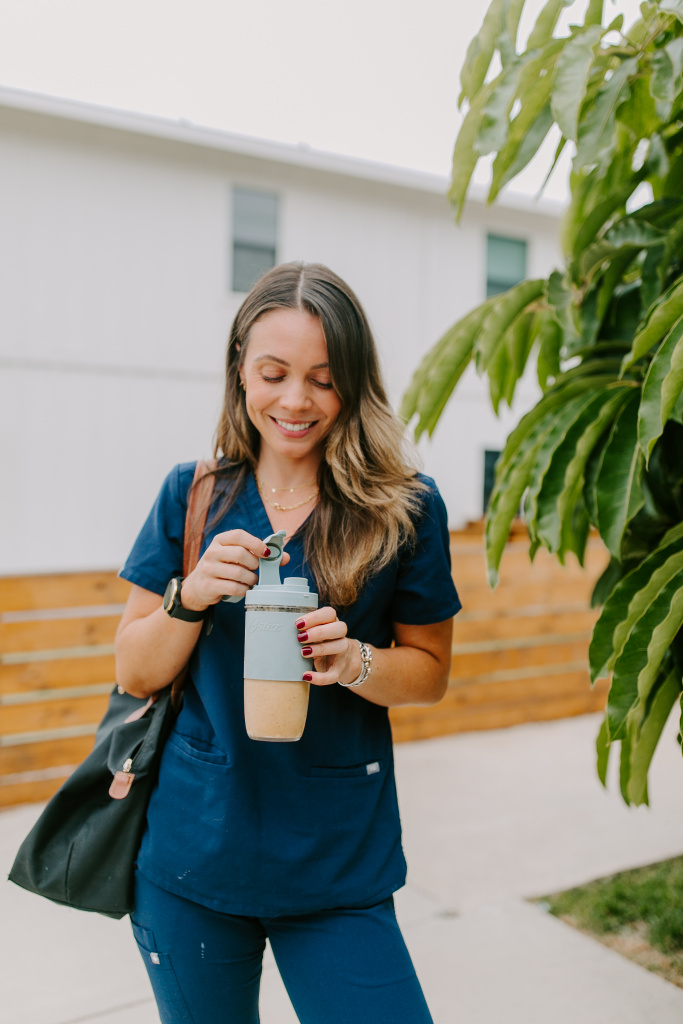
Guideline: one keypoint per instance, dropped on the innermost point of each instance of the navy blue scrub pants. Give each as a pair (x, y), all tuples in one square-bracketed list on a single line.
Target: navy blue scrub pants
[(339, 966)]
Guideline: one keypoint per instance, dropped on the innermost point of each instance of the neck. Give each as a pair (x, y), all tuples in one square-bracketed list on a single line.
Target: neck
[(275, 471)]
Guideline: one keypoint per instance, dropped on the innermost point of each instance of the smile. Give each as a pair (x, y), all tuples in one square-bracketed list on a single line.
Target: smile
[(294, 428)]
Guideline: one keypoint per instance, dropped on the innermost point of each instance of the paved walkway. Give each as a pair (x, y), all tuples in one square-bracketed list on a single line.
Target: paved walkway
[(490, 819)]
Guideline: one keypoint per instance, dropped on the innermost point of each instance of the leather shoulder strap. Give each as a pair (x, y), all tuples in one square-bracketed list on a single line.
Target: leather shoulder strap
[(197, 511)]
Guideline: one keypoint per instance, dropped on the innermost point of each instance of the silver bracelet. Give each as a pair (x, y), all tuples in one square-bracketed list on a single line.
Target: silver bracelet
[(366, 657)]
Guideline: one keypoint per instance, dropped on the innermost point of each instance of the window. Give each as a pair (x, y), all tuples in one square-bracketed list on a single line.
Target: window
[(490, 460), (505, 263), (254, 236)]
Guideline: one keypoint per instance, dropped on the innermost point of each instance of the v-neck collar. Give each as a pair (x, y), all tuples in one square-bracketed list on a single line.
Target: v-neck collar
[(258, 509)]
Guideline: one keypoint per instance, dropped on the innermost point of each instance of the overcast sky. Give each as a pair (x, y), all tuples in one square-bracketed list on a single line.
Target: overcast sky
[(376, 79)]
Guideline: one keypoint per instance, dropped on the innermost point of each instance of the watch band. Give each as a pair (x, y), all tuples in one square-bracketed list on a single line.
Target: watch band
[(172, 602)]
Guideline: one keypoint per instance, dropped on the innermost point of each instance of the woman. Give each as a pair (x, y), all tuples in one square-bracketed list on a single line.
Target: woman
[(295, 842)]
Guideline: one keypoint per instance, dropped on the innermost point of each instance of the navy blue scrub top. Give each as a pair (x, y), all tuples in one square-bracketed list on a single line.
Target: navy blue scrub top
[(261, 829)]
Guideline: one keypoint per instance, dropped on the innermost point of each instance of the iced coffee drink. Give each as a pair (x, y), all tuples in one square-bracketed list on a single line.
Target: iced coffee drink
[(275, 709)]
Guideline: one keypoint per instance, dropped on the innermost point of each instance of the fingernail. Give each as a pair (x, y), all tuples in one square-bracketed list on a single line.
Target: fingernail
[(307, 651), (301, 637), (266, 552), (300, 623), (307, 677)]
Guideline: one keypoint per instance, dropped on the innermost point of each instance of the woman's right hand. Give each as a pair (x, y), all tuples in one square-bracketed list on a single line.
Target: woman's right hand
[(228, 568)]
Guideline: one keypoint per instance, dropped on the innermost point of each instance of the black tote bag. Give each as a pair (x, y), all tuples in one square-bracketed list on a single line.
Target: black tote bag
[(81, 852)]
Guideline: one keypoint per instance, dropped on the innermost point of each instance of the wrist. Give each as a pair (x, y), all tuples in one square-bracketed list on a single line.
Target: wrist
[(360, 667), (188, 597)]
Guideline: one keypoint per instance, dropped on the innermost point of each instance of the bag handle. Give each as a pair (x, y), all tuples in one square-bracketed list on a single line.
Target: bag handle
[(198, 506)]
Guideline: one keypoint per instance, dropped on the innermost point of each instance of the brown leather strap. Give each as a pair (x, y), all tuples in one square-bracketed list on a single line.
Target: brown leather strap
[(197, 511), (198, 506)]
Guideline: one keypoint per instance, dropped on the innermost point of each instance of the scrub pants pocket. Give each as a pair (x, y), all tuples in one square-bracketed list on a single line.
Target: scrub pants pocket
[(167, 993)]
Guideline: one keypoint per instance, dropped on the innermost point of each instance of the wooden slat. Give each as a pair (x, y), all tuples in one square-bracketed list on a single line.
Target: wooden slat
[(29, 792), (54, 714), (550, 593), (465, 666), (493, 627), (33, 756), (66, 590), (38, 675), (470, 566), (51, 634)]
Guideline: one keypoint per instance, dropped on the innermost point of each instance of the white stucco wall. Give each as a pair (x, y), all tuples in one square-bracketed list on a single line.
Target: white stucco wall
[(115, 306)]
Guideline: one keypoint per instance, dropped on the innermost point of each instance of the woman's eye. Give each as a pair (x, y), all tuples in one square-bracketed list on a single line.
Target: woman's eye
[(271, 380), (323, 384)]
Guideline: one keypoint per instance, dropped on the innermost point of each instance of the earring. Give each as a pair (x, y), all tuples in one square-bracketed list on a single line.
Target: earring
[(243, 385)]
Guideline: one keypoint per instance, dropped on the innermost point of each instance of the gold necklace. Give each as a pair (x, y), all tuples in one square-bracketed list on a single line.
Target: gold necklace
[(262, 484), (288, 508)]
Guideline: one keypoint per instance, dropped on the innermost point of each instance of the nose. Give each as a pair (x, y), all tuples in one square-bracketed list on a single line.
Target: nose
[(295, 396)]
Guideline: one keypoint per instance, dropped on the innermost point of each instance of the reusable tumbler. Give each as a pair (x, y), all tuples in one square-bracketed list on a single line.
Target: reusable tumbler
[(275, 696)]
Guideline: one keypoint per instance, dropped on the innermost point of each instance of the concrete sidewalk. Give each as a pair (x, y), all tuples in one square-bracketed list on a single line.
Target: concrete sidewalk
[(490, 819)]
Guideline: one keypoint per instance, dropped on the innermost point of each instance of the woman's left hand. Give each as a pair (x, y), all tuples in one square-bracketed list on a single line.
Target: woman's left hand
[(323, 637)]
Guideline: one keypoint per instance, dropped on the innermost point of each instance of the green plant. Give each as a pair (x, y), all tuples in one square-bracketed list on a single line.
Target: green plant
[(604, 444)]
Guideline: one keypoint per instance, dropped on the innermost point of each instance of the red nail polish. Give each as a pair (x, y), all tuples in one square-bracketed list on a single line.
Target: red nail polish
[(302, 636), (307, 651), (307, 677), (266, 552), (300, 623)]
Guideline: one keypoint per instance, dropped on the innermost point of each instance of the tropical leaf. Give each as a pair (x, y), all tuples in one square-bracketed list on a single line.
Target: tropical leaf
[(602, 749), (597, 129), (481, 49), (636, 667), (627, 234), (626, 602), (493, 124), (619, 495), (545, 23), (465, 155), (503, 314), (549, 336), (649, 732), (571, 79), (659, 320), (569, 461), (674, 7), (558, 426), (661, 388)]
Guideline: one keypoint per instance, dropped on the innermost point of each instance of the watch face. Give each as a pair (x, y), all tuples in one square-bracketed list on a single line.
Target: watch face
[(171, 594)]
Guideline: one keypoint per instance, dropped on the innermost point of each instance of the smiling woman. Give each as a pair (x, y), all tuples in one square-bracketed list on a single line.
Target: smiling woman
[(299, 842)]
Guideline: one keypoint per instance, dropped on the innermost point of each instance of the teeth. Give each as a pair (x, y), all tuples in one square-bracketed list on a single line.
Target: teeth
[(293, 427)]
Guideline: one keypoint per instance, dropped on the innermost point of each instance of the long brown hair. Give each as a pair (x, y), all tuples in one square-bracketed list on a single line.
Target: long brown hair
[(369, 490)]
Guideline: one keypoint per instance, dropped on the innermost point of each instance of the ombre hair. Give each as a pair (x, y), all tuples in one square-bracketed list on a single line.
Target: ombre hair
[(369, 491)]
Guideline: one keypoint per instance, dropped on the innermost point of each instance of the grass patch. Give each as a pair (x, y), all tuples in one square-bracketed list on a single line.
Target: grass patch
[(639, 913)]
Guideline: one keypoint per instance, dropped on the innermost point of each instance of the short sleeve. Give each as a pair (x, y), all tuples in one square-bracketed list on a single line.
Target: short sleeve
[(425, 591), (157, 554)]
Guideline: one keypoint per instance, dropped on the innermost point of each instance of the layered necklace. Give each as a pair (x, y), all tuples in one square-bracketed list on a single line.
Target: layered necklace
[(264, 488)]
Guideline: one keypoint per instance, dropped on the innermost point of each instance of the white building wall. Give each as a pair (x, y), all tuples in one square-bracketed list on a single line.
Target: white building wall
[(115, 306)]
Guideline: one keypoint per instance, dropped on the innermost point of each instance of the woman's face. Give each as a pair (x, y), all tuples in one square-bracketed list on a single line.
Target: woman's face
[(289, 394)]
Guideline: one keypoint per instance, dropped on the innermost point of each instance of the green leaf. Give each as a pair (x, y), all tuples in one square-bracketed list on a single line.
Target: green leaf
[(626, 234), (626, 602), (636, 667), (503, 314), (597, 128), (550, 341), (533, 121), (661, 388), (602, 751), (568, 464), (674, 7), (606, 583), (518, 344), (545, 23), (493, 126), (660, 319), (506, 497), (648, 736), (619, 495), (558, 426), (571, 79), (594, 13), (441, 369), (481, 49), (465, 156)]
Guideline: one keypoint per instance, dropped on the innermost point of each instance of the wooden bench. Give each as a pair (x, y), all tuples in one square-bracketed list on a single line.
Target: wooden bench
[(519, 654)]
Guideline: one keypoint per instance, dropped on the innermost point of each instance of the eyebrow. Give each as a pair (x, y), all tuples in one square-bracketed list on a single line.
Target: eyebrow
[(283, 362)]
